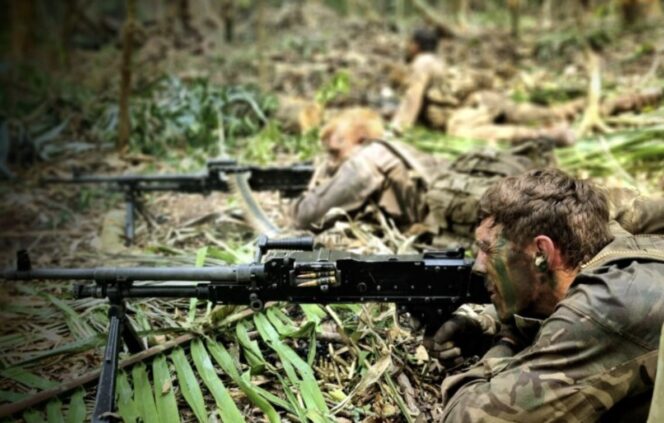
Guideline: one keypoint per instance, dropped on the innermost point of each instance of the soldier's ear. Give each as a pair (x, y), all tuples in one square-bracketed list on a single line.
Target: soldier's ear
[(545, 247)]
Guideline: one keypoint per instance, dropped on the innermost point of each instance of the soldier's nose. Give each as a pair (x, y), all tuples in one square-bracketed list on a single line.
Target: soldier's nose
[(479, 266)]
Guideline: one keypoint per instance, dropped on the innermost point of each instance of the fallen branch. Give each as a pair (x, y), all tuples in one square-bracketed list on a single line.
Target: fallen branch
[(40, 397), (592, 118)]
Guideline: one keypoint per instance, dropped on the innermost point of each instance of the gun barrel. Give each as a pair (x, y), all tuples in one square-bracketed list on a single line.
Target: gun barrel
[(124, 179), (157, 291), (239, 273), (289, 180)]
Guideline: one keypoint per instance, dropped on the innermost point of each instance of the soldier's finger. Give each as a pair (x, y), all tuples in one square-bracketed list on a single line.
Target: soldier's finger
[(444, 346), (446, 332), (449, 354), (451, 364)]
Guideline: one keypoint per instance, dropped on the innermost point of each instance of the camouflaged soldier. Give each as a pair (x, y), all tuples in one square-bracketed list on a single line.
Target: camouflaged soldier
[(580, 309), (360, 170), (422, 194), (419, 193), (462, 102)]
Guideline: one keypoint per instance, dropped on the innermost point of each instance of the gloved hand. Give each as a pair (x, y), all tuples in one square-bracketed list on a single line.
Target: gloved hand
[(455, 340), (469, 332)]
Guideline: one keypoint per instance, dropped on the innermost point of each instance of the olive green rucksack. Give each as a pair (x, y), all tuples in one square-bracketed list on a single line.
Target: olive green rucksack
[(453, 196)]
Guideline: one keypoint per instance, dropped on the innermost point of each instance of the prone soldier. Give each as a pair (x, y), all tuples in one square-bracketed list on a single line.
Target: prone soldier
[(578, 309), (424, 195), (465, 102)]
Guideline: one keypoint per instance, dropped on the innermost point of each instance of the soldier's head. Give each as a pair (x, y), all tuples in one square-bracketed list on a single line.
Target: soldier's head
[(422, 40), (535, 231), (350, 129)]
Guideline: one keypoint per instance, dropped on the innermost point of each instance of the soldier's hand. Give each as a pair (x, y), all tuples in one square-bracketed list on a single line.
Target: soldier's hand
[(455, 341)]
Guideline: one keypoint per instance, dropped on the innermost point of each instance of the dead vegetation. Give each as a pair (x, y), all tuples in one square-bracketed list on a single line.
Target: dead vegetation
[(296, 363)]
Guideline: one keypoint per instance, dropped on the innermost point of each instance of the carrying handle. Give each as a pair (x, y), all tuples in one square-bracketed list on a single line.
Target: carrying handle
[(264, 244)]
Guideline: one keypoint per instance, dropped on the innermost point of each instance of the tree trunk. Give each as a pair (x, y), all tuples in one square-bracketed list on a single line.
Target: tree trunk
[(546, 20), (461, 13), (639, 11), (515, 14), (261, 45), (432, 17), (228, 16), (22, 14), (124, 125), (68, 24)]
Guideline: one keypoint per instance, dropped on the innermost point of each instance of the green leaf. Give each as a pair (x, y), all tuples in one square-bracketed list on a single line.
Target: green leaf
[(54, 411), (288, 392), (143, 397), (394, 393), (308, 387), (50, 134), (70, 348), (252, 351), (28, 379), (33, 416), (228, 411), (311, 355), (77, 325), (167, 407), (314, 312), (201, 255), (225, 361), (125, 399), (189, 385), (279, 402), (77, 410), (8, 396)]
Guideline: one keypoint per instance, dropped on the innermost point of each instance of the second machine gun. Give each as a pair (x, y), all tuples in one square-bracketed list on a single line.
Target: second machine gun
[(220, 175), (431, 284)]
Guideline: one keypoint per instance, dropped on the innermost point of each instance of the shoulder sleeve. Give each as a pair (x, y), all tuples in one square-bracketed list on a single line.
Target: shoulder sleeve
[(574, 371), (357, 180)]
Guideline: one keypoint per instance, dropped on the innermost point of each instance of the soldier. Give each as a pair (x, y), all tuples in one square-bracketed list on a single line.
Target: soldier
[(360, 170), (418, 192), (462, 103), (465, 103), (424, 195), (579, 310)]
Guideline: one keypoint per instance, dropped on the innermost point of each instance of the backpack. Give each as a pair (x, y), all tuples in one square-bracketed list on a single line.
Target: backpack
[(453, 196)]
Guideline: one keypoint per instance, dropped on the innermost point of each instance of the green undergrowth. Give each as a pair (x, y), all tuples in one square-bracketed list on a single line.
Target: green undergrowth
[(630, 154), (272, 363)]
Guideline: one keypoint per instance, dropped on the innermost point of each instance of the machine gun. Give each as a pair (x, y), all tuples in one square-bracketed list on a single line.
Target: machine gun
[(432, 284), (220, 175)]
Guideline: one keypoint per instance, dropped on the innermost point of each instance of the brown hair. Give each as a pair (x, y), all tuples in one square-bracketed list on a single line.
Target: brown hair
[(572, 212)]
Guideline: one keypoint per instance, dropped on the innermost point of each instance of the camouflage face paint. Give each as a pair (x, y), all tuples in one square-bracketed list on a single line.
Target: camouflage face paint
[(505, 295), (511, 275)]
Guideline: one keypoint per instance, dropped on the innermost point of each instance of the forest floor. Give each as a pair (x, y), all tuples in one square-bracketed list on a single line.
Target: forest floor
[(47, 337)]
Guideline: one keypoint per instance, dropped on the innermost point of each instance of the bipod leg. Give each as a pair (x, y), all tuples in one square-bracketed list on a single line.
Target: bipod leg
[(119, 329), (105, 400), (134, 342), (143, 211)]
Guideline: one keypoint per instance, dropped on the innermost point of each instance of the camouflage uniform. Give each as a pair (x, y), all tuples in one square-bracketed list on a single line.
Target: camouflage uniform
[(376, 173), (635, 213), (598, 348), (462, 103), (411, 188), (454, 194)]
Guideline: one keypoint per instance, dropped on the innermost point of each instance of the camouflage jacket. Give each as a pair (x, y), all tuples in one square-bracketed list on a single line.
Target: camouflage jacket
[(598, 347), (382, 173)]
